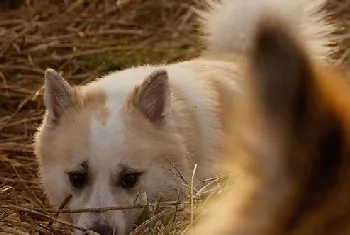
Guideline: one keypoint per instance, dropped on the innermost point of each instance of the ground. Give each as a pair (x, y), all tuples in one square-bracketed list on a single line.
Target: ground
[(83, 40)]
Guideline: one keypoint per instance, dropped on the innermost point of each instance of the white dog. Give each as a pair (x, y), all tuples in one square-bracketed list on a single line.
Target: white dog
[(136, 131)]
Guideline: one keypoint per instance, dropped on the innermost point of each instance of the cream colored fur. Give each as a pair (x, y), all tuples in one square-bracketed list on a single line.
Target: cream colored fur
[(229, 24), (117, 121)]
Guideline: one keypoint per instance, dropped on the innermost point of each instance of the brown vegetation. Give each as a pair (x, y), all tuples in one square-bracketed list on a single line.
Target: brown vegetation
[(84, 39)]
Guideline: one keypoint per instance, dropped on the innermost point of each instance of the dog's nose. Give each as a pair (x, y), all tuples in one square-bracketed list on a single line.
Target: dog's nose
[(103, 230)]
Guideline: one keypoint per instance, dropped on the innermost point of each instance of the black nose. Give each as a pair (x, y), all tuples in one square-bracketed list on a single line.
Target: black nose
[(103, 230)]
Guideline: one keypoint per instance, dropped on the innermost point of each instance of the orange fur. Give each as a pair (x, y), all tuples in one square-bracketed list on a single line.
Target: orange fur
[(290, 143)]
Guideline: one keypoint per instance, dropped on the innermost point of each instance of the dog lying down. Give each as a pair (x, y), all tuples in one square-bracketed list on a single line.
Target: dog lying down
[(133, 132)]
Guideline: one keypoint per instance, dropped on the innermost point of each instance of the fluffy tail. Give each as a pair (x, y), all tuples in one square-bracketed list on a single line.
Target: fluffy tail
[(229, 25)]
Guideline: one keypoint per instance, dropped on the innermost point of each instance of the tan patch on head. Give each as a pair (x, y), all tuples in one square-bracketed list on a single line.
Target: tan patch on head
[(71, 137), (94, 100)]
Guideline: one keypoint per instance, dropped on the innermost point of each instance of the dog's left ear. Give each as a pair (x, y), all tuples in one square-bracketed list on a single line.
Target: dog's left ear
[(152, 97)]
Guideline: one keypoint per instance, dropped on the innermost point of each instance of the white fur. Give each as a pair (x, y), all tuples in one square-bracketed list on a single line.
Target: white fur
[(229, 25)]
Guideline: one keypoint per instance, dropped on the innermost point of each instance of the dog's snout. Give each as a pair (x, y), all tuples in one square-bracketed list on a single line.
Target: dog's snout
[(103, 229)]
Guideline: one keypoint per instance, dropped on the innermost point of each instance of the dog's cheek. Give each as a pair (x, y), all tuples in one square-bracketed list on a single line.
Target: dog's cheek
[(55, 184)]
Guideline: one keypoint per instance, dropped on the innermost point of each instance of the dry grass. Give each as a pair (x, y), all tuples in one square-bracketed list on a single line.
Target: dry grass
[(85, 39)]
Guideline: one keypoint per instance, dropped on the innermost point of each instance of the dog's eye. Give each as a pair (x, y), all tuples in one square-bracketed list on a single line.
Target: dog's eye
[(129, 180), (77, 179)]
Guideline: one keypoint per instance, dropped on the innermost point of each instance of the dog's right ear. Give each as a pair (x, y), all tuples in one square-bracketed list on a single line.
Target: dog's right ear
[(58, 95), (279, 95), (152, 97), (281, 71)]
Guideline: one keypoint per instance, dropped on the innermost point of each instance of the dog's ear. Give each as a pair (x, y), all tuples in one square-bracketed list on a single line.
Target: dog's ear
[(152, 97), (280, 71), (292, 99), (58, 95), (298, 108), (279, 96)]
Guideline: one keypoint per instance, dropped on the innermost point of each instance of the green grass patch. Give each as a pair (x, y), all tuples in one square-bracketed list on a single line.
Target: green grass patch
[(124, 58)]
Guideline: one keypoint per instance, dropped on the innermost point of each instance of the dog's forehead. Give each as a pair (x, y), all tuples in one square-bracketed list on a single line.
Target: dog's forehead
[(115, 145), (107, 139)]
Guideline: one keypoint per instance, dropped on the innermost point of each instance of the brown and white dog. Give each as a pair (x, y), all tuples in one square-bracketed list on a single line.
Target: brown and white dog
[(135, 131)]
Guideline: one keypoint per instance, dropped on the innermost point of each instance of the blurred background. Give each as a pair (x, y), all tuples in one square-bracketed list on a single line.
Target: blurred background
[(84, 39)]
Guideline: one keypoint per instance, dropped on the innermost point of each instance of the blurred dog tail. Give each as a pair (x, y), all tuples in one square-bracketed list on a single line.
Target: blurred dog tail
[(229, 25)]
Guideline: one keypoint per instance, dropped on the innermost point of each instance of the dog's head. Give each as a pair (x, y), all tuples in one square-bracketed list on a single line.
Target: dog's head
[(108, 146)]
